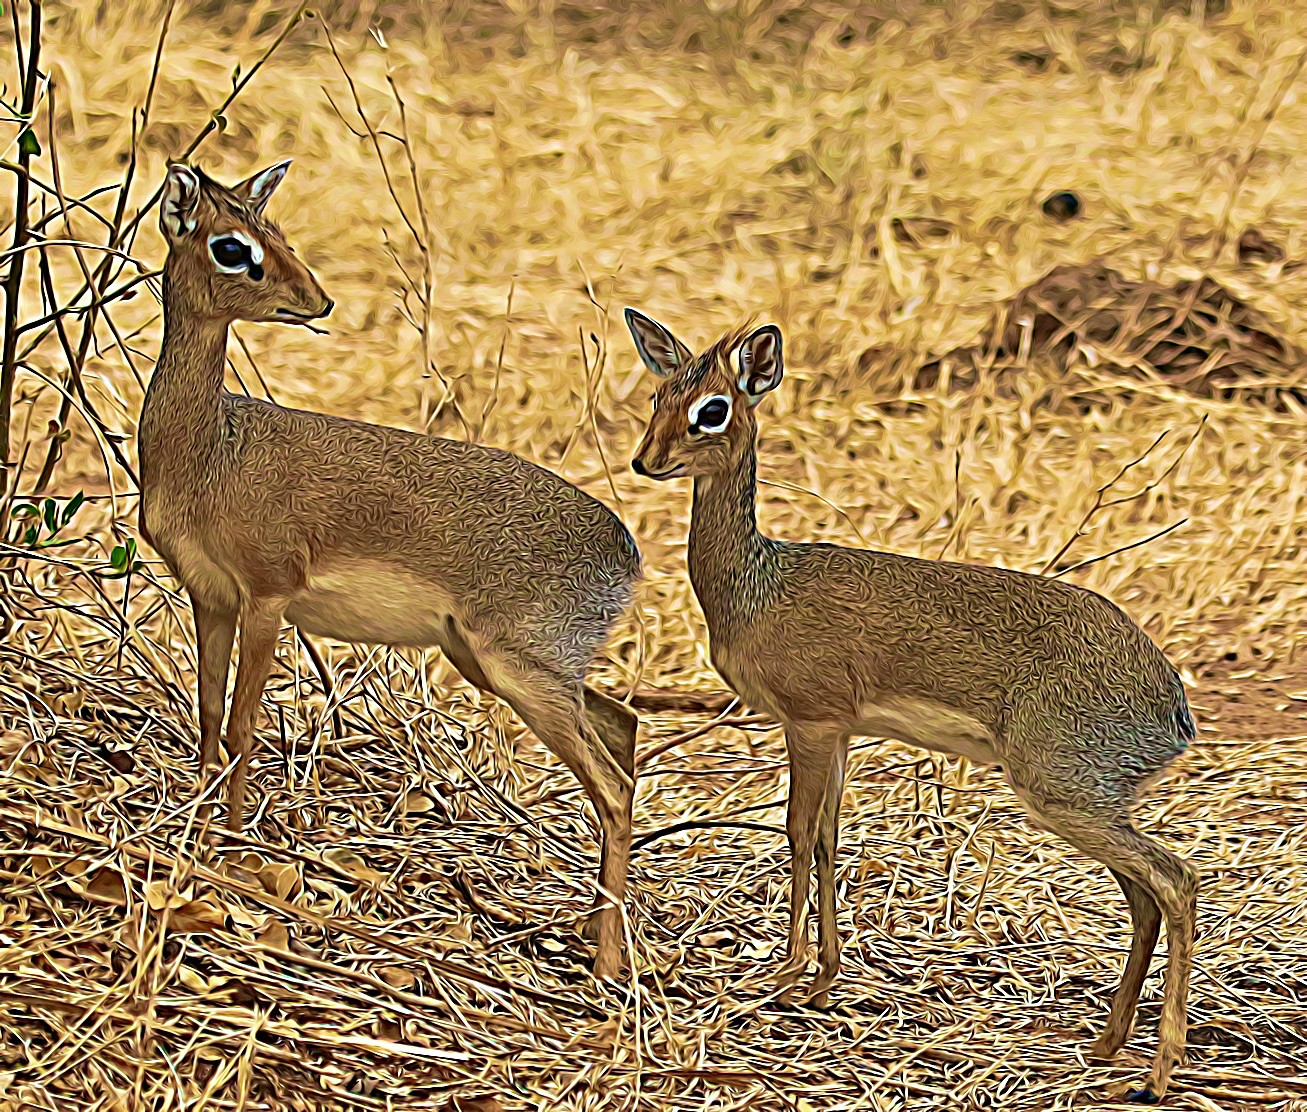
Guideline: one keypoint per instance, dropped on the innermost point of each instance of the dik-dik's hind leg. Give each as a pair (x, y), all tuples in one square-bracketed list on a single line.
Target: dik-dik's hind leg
[(613, 722), (553, 705), (260, 622), (215, 630), (1106, 833), (617, 726), (1147, 919)]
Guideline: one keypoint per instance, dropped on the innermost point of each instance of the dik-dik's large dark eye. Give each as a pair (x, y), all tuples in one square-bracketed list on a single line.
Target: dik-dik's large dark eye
[(230, 252), (233, 254), (710, 414)]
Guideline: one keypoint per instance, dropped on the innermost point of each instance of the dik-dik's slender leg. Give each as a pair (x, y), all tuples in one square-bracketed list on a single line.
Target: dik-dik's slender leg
[(260, 621), (1105, 833), (828, 838), (811, 751), (617, 725), (1174, 884), (553, 706), (1147, 918), (215, 630)]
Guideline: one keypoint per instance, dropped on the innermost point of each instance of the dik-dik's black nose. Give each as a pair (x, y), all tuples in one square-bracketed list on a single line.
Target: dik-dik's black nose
[(637, 465)]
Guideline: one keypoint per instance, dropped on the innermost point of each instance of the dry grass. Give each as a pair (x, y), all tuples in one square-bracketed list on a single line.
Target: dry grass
[(399, 934)]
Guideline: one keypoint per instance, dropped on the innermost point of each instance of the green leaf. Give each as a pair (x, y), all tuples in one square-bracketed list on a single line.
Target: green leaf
[(29, 538), (24, 509), (72, 506), (56, 543), (51, 521), (118, 558), (28, 143)]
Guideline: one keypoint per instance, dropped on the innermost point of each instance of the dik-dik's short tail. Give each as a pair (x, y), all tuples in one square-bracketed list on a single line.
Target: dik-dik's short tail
[(1182, 719)]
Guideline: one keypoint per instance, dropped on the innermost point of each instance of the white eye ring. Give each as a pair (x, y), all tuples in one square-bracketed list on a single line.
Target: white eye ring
[(256, 251), (698, 407)]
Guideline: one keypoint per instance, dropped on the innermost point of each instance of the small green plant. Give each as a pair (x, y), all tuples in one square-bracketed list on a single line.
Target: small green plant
[(42, 523), (122, 561)]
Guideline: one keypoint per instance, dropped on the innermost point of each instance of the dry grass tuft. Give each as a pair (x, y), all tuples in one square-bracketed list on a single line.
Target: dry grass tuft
[(481, 188)]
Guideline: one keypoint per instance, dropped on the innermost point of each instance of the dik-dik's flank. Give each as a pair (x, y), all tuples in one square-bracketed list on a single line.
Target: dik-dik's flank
[(1051, 682), (365, 533)]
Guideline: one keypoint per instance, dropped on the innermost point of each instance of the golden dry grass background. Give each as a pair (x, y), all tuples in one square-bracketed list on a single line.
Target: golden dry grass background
[(703, 163)]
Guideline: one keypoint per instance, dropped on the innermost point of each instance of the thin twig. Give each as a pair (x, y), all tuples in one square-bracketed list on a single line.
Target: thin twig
[(13, 282), (1118, 551), (1101, 503)]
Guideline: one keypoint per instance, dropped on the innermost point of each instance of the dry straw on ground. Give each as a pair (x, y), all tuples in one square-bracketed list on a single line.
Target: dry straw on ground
[(398, 929)]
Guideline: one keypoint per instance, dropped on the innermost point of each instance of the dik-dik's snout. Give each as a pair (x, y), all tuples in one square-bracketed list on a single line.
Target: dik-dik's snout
[(651, 462), (655, 458), (310, 303)]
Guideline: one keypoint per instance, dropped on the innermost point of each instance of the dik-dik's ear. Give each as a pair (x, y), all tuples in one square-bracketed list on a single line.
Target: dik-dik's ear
[(761, 364), (181, 198), (662, 352), (256, 191)]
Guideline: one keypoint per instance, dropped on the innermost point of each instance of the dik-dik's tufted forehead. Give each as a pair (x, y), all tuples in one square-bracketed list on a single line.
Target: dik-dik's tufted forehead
[(746, 362), (716, 367), (192, 198)]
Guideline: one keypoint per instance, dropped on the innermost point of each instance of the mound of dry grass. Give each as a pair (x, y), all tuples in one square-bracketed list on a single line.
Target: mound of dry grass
[(1195, 336), (399, 931)]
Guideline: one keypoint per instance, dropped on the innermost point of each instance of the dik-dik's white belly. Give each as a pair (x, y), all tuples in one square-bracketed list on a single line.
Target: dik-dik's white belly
[(931, 726), (371, 602)]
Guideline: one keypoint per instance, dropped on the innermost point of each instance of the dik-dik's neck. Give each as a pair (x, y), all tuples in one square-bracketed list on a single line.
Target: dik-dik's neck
[(728, 557), (182, 418)]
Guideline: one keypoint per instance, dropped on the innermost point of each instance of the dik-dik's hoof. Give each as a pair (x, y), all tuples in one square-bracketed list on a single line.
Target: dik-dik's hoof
[(607, 967), (819, 1001), (813, 997), (1104, 1048), (1144, 1096), (588, 925)]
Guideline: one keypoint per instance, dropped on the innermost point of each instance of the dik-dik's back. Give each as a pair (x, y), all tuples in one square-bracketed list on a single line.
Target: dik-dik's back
[(985, 642), (512, 545)]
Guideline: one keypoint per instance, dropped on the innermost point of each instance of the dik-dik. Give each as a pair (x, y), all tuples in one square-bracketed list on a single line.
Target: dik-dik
[(364, 533), (1051, 682)]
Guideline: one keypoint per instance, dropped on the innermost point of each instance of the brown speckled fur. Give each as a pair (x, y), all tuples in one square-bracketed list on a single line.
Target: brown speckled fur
[(360, 532), (1049, 681)]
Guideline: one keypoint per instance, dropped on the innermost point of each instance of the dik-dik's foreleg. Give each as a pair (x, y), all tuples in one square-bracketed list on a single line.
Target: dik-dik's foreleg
[(260, 622), (215, 630), (828, 840), (812, 749)]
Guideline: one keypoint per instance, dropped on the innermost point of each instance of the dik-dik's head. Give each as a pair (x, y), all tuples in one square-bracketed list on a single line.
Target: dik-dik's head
[(703, 409), (225, 259)]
